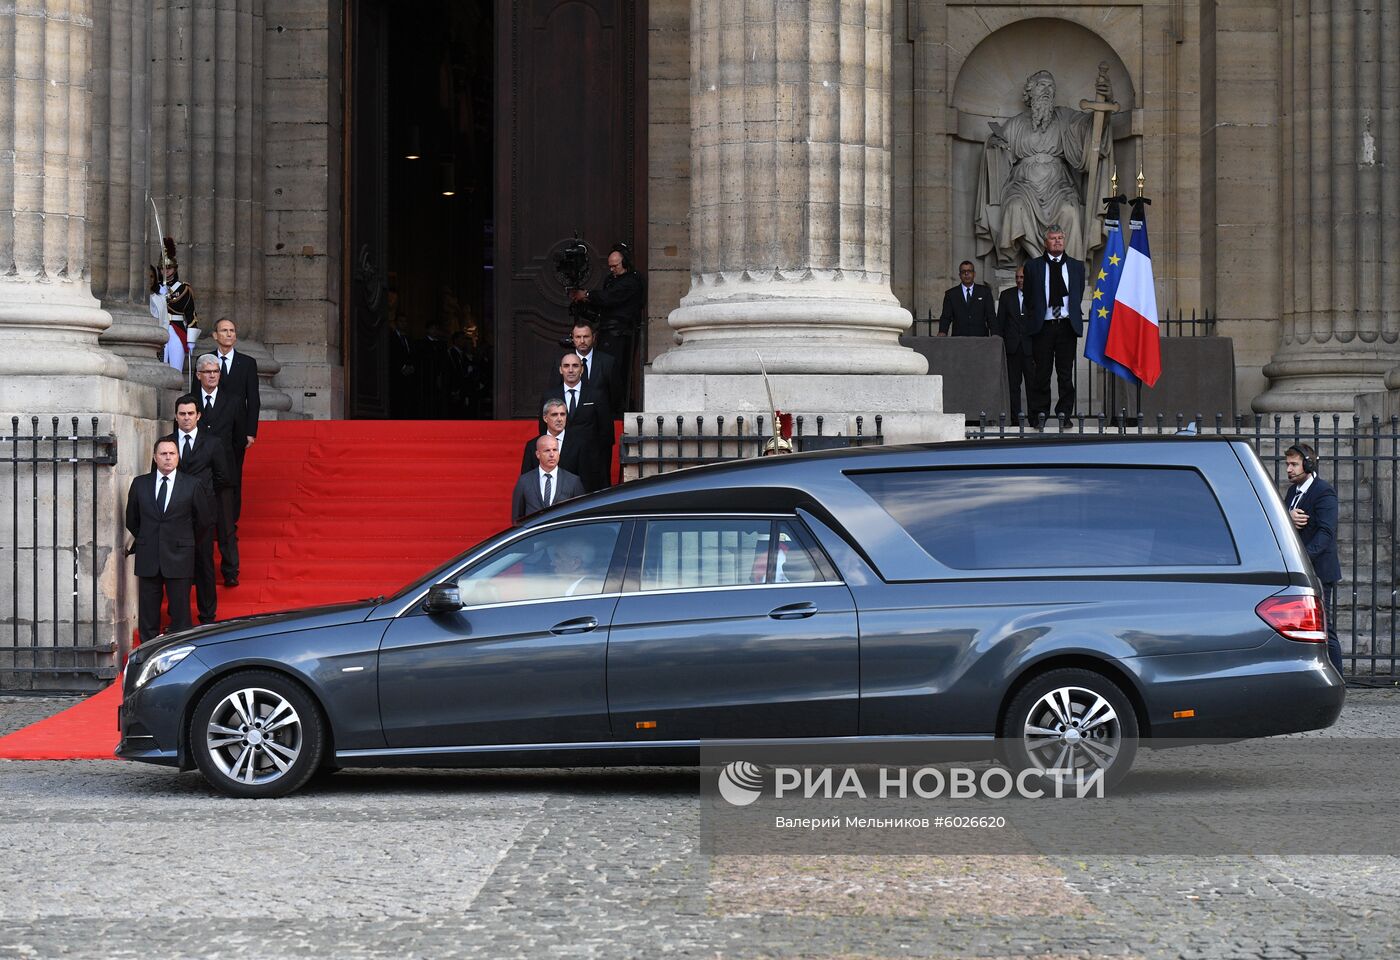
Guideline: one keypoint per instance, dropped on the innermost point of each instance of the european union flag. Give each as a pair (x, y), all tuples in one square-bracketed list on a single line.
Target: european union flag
[(1105, 291)]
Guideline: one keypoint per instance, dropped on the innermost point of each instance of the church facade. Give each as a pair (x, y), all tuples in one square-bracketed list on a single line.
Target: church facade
[(1265, 131)]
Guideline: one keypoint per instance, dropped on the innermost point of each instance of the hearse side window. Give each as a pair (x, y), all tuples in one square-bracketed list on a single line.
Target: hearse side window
[(703, 552), (1040, 517), (560, 562)]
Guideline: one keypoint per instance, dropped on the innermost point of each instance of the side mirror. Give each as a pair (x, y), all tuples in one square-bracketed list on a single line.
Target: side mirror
[(442, 598)]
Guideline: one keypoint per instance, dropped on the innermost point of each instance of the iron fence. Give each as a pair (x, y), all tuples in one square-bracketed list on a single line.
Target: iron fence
[(688, 441), (1360, 458), (1196, 324), (53, 561)]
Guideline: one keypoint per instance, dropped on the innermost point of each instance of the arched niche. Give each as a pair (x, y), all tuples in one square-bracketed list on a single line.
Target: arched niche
[(987, 88)]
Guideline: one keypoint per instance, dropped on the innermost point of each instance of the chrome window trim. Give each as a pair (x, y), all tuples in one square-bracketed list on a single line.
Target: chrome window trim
[(736, 586), (575, 521), (663, 744)]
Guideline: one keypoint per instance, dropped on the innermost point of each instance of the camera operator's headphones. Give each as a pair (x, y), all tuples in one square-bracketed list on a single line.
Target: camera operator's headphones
[(1305, 452), (622, 248)]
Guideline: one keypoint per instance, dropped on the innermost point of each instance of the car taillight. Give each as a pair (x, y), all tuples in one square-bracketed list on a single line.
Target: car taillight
[(1297, 618)]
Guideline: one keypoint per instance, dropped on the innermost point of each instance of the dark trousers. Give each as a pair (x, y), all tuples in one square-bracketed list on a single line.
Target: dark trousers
[(1019, 369), (1329, 610), (148, 595), (238, 456), (226, 529), (205, 593), (1054, 344)]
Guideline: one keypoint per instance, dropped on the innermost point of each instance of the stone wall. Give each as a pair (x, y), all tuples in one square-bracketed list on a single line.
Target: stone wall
[(301, 180), (668, 166)]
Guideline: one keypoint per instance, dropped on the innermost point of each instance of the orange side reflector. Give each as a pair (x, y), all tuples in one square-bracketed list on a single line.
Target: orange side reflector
[(1183, 714), (646, 724)]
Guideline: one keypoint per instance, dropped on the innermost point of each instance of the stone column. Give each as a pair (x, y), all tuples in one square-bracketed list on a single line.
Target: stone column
[(51, 363), (790, 227), (123, 239), (790, 202), (206, 161), (1341, 136), (50, 360)]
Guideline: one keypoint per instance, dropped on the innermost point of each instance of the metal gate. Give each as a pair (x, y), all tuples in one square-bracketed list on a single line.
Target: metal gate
[(51, 549)]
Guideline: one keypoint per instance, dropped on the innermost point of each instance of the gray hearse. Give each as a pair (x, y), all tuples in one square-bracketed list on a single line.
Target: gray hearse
[(1062, 598)]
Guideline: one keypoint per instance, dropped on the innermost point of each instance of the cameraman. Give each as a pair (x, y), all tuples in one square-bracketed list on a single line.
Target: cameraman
[(620, 304)]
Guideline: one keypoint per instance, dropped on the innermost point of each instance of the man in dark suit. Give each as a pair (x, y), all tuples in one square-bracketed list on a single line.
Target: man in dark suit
[(166, 512), (556, 421), (218, 414), (601, 374), (1312, 506), (238, 375), (589, 421), (1054, 319), (1011, 325), (544, 486), (207, 457), (599, 368), (620, 305), (968, 308)]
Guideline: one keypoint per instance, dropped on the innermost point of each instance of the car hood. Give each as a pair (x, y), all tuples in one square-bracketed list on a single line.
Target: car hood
[(260, 625)]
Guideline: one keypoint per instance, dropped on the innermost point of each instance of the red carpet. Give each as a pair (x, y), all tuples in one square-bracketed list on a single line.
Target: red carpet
[(333, 510)]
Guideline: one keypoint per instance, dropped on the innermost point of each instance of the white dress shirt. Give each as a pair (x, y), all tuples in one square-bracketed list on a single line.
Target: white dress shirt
[(1063, 304), (213, 398), (554, 485), (1298, 495), (169, 487)]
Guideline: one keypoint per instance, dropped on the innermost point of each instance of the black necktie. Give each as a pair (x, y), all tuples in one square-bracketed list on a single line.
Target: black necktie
[(585, 369), (186, 454), (967, 294), (571, 401), (1058, 292), (223, 365), (160, 494), (208, 405), (548, 490)]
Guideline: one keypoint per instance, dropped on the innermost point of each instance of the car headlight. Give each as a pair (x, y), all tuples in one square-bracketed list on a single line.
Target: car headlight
[(161, 663)]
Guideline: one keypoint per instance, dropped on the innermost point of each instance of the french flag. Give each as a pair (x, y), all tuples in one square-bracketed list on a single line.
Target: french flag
[(1133, 338)]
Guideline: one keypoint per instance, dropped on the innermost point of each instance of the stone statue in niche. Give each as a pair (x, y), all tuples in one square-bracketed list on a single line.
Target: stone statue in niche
[(1034, 171)]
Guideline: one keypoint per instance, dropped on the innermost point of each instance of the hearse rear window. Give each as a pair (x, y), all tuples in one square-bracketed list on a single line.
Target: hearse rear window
[(1040, 517)]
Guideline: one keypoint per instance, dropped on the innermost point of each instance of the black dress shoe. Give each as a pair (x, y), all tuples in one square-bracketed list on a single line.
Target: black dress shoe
[(203, 620), (230, 581)]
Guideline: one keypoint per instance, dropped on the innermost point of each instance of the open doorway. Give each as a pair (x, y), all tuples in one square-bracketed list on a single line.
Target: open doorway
[(480, 135)]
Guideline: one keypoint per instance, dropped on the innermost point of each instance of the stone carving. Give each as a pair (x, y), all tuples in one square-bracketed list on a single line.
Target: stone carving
[(1033, 173)]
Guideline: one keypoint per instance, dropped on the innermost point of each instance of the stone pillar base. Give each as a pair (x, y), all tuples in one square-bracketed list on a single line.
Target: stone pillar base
[(832, 333), (911, 406), (1324, 382)]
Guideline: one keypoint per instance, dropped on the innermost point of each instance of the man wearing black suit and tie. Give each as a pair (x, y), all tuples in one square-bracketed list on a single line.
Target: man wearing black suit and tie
[(218, 411), (1312, 506), (544, 486), (1054, 319), (166, 512), (1011, 324), (968, 308), (589, 421), (238, 376), (206, 457), (556, 421)]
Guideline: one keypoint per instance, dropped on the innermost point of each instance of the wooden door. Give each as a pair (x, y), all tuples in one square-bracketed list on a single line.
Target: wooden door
[(570, 139)]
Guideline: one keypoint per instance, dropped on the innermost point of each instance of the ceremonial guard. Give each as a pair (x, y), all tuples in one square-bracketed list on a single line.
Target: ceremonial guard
[(178, 306)]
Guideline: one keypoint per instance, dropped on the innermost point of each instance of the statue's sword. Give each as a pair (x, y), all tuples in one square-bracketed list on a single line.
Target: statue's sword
[(1101, 109)]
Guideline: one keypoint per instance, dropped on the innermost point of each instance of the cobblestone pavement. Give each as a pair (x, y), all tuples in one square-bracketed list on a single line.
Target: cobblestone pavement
[(107, 859)]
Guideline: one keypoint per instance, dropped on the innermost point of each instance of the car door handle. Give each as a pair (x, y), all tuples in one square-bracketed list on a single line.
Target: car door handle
[(793, 611), (581, 625)]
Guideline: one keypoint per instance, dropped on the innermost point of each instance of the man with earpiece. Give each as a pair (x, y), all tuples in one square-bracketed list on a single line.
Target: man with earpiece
[(1312, 506), (621, 304)]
